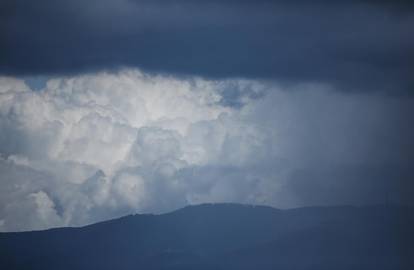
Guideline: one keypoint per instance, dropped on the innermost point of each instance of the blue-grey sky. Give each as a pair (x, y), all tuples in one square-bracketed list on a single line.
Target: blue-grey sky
[(111, 107)]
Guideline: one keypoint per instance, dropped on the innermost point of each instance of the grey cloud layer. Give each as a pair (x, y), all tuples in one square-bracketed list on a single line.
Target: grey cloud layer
[(357, 45), (93, 147)]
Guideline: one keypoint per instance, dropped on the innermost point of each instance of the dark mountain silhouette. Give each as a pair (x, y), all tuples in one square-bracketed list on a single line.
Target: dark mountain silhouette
[(225, 236)]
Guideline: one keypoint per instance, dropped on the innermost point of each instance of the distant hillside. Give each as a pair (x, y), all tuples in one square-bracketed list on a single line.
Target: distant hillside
[(225, 236)]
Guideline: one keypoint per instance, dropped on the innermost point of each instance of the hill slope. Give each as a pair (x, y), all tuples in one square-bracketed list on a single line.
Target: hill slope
[(225, 236)]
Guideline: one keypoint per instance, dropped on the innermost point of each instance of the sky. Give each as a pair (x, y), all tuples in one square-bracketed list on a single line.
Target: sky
[(134, 106)]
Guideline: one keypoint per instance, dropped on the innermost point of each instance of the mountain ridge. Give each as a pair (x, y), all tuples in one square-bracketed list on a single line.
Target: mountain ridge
[(253, 206), (225, 236)]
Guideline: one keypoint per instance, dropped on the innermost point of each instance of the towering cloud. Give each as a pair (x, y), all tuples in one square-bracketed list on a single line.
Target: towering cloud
[(113, 142), (91, 147)]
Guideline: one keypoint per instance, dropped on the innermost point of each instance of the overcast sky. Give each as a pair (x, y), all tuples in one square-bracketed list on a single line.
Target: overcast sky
[(115, 107)]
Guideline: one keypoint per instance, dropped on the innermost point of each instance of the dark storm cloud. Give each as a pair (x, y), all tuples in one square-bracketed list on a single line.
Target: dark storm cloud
[(86, 145), (360, 44)]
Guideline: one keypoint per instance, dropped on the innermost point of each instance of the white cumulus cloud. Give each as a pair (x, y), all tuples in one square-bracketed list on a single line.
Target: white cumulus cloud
[(92, 147), (103, 145)]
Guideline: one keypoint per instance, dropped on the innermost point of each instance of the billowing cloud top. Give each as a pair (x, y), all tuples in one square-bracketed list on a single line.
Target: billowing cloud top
[(357, 45), (92, 147)]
